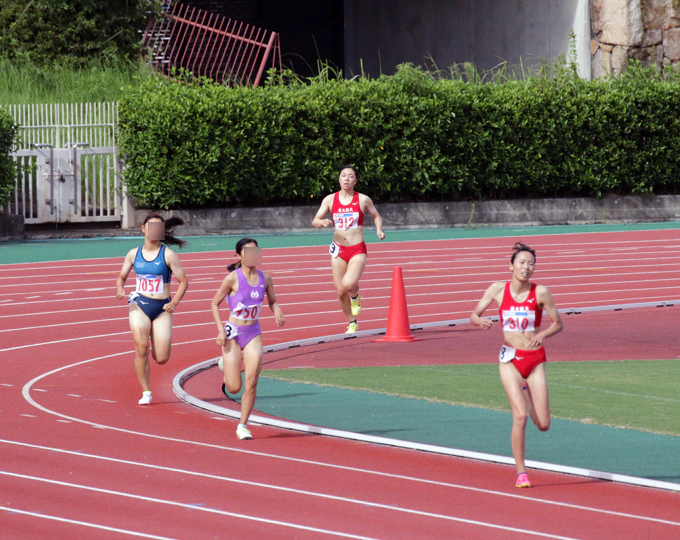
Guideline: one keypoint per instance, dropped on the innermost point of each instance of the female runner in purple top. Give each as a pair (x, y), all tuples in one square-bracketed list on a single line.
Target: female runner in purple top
[(246, 288)]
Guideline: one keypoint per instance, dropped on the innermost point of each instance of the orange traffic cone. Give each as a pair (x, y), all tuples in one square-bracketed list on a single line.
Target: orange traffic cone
[(398, 328)]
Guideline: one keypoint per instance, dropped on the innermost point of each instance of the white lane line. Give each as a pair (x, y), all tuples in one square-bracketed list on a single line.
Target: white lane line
[(181, 505), (545, 263), (572, 306), (615, 393), (82, 523), (377, 248), (27, 396), (74, 395), (410, 286), (438, 277), (372, 298), (6, 384), (29, 415)]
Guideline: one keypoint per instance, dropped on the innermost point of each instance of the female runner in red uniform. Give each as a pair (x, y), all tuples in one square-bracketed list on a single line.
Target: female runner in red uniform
[(348, 249), (151, 308), (522, 356)]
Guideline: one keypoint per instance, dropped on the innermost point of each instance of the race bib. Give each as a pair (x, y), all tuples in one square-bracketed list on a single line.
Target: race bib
[(149, 283), (246, 313), (334, 249), (231, 330), (507, 354), (348, 220), (519, 320)]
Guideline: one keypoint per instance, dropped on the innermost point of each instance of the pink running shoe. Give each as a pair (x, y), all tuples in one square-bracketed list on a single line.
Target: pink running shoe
[(522, 481)]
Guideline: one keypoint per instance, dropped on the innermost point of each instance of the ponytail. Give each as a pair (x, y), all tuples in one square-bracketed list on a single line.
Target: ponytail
[(170, 224), (234, 266)]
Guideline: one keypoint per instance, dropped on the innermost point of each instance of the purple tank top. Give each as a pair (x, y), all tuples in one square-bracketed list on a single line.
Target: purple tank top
[(247, 302)]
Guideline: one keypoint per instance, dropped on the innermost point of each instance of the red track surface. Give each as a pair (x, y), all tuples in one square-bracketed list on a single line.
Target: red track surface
[(79, 449)]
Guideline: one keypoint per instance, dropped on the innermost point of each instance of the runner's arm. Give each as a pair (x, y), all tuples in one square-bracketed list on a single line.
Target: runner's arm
[(319, 220), (273, 304), (377, 218), (224, 290), (172, 261), (545, 300), (124, 273), (489, 296)]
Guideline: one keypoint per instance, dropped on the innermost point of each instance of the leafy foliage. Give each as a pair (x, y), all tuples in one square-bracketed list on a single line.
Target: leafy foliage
[(72, 31), (412, 136), (7, 168)]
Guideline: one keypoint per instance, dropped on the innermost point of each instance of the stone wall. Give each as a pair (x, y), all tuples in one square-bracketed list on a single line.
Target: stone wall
[(645, 30)]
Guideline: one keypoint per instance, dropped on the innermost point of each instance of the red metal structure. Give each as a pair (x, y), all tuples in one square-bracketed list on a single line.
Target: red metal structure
[(211, 45)]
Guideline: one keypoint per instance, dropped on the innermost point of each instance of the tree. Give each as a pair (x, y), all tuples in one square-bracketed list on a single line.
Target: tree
[(74, 31)]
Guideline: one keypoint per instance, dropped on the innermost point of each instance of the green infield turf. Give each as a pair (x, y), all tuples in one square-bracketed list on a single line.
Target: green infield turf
[(640, 395)]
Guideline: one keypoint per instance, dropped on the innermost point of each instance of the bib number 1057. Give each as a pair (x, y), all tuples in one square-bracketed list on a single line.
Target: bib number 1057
[(149, 284)]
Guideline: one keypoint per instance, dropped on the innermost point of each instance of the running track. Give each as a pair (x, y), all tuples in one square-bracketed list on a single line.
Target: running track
[(81, 459)]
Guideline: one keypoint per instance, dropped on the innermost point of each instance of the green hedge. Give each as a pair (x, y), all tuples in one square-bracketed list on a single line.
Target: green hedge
[(412, 136), (8, 133)]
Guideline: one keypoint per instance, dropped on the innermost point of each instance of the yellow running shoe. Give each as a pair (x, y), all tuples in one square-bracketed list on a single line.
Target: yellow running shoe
[(352, 327), (356, 305)]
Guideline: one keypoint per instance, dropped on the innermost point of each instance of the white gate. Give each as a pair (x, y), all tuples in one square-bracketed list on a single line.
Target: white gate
[(67, 163)]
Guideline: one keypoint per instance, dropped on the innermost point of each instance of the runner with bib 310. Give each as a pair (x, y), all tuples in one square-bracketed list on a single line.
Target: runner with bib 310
[(522, 356), (348, 250), (246, 287)]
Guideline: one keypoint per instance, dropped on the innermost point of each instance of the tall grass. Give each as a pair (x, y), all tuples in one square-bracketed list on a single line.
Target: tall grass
[(26, 82)]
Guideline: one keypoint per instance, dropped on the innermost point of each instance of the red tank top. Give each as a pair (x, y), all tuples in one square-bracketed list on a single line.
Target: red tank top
[(347, 217), (520, 316)]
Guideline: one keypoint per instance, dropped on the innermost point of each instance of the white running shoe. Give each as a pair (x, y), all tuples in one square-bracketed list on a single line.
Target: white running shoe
[(243, 433), (220, 364), (146, 398)]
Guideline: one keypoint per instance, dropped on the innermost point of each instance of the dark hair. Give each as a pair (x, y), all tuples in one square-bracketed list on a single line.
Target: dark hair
[(170, 225), (356, 174), (519, 247), (239, 251)]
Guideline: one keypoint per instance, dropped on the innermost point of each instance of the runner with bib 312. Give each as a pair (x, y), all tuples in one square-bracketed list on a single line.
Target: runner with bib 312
[(348, 250), (522, 356)]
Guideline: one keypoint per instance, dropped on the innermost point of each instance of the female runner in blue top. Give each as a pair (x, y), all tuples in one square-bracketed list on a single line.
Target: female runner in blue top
[(246, 288), (151, 307)]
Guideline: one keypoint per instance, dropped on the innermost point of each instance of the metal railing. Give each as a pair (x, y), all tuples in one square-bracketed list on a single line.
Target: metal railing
[(210, 45)]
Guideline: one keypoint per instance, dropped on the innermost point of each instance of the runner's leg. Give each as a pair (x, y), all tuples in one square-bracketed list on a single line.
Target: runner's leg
[(513, 384), (252, 360), (140, 325)]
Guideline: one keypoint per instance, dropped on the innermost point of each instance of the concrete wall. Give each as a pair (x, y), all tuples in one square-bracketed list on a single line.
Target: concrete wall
[(612, 209), (11, 227), (385, 33)]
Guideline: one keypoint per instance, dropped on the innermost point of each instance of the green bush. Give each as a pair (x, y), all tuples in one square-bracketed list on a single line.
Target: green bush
[(413, 136), (8, 133), (72, 31)]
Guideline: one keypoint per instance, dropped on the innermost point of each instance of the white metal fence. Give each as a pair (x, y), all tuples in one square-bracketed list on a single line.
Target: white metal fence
[(67, 163)]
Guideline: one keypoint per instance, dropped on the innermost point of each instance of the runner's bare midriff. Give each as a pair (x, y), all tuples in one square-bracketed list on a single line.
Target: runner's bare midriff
[(350, 237), (519, 340)]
